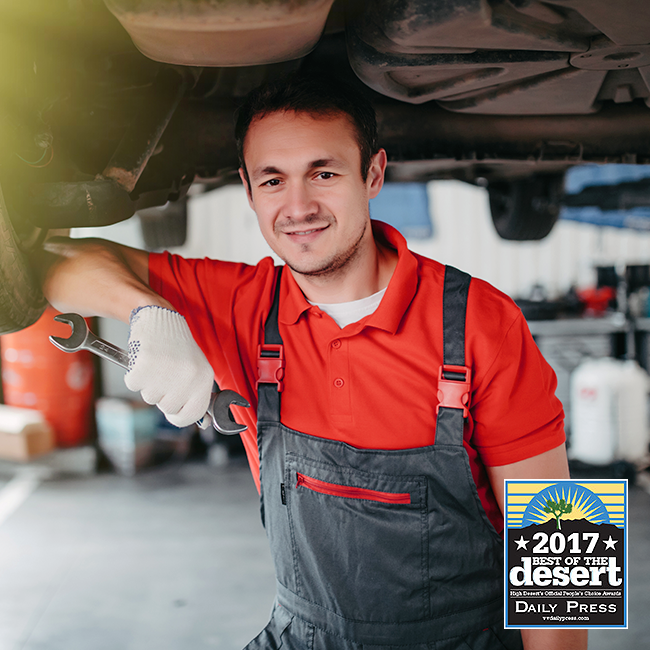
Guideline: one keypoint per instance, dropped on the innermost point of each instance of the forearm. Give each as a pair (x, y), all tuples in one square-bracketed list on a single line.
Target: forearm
[(554, 639), (551, 465), (93, 277)]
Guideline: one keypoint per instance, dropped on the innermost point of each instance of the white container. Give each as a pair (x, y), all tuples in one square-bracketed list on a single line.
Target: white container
[(125, 432), (633, 435), (609, 417)]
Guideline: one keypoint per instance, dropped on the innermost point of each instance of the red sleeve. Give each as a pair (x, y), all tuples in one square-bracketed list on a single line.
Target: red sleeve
[(221, 302), (515, 411)]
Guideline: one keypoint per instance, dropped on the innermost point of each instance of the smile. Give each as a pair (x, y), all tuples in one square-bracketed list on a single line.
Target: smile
[(303, 233)]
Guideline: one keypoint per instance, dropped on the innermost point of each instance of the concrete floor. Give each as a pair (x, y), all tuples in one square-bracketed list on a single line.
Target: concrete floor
[(176, 559)]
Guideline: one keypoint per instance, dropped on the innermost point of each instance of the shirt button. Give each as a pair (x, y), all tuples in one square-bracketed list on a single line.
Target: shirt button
[(336, 344), (339, 383)]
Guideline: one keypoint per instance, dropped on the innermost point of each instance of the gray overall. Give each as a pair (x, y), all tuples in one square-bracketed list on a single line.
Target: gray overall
[(375, 548)]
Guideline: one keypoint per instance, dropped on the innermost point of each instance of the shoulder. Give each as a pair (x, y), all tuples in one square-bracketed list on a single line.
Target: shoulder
[(496, 330), (168, 268), (487, 307), (493, 320), (490, 307)]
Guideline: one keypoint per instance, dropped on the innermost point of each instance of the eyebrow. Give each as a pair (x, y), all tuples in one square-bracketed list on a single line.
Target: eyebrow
[(265, 171), (325, 162)]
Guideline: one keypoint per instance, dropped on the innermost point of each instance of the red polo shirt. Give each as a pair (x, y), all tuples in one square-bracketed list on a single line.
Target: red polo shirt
[(373, 384)]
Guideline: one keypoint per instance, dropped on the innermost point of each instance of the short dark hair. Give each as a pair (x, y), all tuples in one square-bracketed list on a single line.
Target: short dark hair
[(314, 94)]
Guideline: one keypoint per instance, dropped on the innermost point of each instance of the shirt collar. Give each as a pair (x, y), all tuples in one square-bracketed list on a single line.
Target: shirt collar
[(399, 293)]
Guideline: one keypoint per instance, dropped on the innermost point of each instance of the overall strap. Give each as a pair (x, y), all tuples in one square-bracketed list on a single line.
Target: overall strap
[(454, 377), (270, 363)]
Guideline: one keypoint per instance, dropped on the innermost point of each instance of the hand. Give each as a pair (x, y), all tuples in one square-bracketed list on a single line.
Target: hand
[(167, 366)]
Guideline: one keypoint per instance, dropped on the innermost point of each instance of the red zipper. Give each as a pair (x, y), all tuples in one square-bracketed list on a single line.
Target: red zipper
[(333, 489)]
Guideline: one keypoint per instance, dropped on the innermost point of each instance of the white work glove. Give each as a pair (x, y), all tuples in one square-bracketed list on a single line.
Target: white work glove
[(167, 366)]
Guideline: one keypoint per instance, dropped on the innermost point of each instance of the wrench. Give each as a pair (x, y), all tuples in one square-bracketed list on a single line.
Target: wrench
[(82, 338)]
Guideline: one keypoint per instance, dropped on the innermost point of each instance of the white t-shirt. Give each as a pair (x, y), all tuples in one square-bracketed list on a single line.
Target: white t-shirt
[(345, 313)]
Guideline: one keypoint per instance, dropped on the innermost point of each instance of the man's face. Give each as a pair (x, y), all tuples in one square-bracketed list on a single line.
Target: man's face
[(307, 191)]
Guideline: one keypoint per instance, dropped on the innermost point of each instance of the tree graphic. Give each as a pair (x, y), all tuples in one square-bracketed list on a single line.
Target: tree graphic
[(557, 510)]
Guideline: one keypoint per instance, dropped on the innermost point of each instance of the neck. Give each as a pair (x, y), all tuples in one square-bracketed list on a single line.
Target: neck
[(363, 276)]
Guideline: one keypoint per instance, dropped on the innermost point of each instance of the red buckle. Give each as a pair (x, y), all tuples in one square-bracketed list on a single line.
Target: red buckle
[(454, 393), (270, 365)]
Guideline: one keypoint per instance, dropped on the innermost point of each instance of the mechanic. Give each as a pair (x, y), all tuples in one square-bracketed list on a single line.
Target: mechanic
[(383, 511)]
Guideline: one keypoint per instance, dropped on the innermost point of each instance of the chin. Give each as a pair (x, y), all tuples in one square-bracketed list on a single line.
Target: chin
[(305, 269), (316, 270)]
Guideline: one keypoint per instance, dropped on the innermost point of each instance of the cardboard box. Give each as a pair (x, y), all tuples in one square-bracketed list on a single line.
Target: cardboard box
[(24, 434)]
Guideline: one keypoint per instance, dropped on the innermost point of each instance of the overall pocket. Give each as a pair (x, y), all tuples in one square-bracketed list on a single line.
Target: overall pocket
[(359, 540), (350, 492)]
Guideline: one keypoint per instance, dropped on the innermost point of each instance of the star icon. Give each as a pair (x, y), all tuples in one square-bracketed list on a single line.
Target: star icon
[(521, 543), (610, 543)]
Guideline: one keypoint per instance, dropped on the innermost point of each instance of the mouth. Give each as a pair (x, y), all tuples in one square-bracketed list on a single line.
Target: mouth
[(306, 232)]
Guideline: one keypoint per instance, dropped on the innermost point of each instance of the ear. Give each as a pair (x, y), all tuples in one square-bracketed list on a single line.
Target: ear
[(375, 180), (247, 185)]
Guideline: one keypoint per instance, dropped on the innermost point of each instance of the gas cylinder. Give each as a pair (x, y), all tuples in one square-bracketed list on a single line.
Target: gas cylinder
[(37, 375), (609, 415)]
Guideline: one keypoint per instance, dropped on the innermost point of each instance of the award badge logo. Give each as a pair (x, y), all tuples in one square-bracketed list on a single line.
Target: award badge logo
[(566, 554)]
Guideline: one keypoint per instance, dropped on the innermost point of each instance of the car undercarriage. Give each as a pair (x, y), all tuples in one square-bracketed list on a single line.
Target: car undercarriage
[(117, 106)]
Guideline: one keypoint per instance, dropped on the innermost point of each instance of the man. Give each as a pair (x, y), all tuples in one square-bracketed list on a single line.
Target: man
[(394, 395)]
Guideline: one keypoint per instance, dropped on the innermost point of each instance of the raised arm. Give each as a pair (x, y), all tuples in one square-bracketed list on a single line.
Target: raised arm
[(94, 277)]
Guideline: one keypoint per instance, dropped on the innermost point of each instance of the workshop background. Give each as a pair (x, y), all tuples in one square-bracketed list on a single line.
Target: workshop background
[(117, 531)]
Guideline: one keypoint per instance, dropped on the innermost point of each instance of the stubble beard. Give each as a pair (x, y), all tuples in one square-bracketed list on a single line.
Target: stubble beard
[(337, 263)]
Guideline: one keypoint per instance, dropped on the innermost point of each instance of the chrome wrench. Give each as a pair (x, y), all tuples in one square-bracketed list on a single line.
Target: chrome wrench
[(82, 338)]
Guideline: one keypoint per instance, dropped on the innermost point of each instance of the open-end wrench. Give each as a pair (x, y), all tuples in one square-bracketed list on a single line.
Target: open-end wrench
[(82, 338)]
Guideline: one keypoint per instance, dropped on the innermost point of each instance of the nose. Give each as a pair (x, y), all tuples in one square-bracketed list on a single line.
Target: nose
[(299, 202)]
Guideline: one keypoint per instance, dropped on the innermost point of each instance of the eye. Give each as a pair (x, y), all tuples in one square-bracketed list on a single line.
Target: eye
[(273, 182), (326, 175)]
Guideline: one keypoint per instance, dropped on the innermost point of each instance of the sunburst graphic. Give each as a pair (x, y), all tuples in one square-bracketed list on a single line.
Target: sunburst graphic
[(584, 505)]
